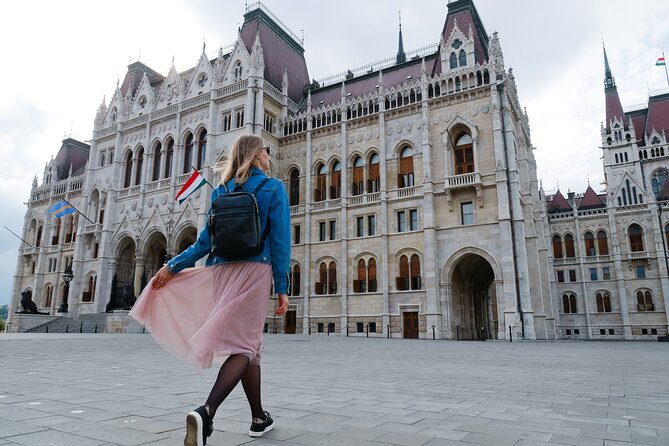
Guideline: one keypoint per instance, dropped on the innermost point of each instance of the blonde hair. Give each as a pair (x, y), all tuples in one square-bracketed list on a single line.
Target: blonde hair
[(241, 160)]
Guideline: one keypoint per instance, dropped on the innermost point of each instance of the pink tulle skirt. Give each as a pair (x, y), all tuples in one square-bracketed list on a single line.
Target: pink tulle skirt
[(210, 311)]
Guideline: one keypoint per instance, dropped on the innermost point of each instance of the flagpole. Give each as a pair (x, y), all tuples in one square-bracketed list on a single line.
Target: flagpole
[(73, 207), (205, 180), (665, 68), (18, 237)]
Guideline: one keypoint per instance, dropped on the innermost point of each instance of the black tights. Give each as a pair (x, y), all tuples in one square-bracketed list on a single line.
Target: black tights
[(234, 369)]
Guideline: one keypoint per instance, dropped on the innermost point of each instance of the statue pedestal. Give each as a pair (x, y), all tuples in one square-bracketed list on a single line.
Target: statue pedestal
[(118, 321), (21, 322)]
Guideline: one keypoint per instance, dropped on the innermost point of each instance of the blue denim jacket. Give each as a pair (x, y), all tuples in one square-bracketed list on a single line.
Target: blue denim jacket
[(273, 201)]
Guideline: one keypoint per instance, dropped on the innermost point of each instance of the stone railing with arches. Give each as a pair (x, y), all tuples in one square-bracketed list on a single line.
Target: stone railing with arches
[(197, 100), (68, 185), (462, 79), (231, 89)]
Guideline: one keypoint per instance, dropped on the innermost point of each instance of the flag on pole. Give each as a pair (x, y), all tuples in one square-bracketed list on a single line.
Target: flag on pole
[(61, 209), (660, 62), (195, 182)]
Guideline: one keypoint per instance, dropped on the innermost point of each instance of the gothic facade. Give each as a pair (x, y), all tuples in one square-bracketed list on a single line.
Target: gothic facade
[(415, 205)]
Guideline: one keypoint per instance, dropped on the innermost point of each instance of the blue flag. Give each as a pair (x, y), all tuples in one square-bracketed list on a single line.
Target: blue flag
[(61, 209)]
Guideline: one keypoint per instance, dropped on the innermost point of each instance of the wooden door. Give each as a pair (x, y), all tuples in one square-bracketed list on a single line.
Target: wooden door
[(291, 322), (410, 319)]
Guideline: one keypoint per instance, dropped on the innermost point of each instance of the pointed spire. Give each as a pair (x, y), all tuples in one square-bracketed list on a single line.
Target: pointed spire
[(401, 56), (284, 82), (380, 77), (257, 58), (309, 99), (614, 108), (343, 88), (609, 80)]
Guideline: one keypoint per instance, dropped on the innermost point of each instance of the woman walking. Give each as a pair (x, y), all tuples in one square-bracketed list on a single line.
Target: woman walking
[(219, 309)]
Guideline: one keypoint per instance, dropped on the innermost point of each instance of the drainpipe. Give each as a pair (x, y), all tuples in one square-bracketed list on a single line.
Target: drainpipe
[(500, 91)]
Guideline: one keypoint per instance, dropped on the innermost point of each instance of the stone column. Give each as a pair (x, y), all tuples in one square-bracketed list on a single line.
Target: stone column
[(384, 261), (140, 263)]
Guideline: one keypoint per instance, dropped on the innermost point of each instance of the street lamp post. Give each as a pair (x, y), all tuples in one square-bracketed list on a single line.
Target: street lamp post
[(67, 278)]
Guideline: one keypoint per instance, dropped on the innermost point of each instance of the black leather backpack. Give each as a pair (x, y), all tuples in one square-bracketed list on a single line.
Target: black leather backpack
[(234, 224)]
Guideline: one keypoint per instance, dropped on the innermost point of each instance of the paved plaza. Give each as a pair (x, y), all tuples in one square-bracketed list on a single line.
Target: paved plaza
[(93, 390)]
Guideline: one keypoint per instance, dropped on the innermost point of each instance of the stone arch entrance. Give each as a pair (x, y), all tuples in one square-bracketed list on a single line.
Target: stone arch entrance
[(155, 254), (474, 310), (185, 238), (123, 290)]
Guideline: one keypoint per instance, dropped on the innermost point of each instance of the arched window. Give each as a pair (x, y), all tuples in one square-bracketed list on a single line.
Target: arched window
[(69, 229), (405, 176), (48, 296), (569, 303), (463, 155), (557, 247), (38, 237), (332, 278), (188, 153), (201, 149), (635, 237), (335, 180), (644, 300), (409, 278), (415, 272), (453, 61), (373, 174), (569, 246), (169, 155), (603, 302), (294, 187), (238, 71), (140, 163), (358, 177), (89, 294), (294, 289), (321, 182), (602, 243), (56, 231), (127, 179), (371, 276), (327, 276), (589, 240), (360, 284), (157, 149), (462, 58)]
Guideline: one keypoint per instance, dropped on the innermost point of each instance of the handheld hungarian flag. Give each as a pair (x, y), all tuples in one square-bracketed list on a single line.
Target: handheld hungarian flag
[(61, 209), (660, 62), (195, 182)]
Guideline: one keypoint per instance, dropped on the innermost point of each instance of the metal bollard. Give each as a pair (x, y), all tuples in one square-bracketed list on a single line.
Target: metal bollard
[(510, 334), (67, 328), (81, 328), (367, 330), (96, 328), (457, 332), (433, 334), (46, 330), (388, 327)]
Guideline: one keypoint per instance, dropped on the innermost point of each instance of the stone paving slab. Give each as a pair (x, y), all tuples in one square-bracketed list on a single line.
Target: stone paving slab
[(107, 389)]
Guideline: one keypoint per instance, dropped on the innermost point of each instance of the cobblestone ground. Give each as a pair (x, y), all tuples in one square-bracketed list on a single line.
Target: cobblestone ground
[(95, 390)]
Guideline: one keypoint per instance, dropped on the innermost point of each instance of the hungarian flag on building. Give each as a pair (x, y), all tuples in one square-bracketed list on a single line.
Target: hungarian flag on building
[(195, 182), (660, 61)]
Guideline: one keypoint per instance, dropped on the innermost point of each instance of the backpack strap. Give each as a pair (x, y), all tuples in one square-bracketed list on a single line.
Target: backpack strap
[(255, 191)]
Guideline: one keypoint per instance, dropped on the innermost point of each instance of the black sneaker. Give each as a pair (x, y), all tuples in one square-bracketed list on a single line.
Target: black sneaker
[(259, 427), (199, 426)]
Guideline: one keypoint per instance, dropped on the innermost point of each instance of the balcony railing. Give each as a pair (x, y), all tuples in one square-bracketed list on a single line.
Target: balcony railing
[(463, 180), (297, 209), (637, 255)]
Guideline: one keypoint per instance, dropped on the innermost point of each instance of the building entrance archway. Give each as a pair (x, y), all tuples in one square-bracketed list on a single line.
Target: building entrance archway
[(474, 298)]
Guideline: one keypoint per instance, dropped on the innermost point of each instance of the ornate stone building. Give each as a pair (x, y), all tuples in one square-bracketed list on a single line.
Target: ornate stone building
[(610, 250), (415, 204)]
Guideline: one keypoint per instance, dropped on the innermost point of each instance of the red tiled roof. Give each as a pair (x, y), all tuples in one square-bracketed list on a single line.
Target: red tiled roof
[(613, 107), (367, 83), (639, 123), (558, 203), (280, 52), (590, 200), (464, 12), (658, 114)]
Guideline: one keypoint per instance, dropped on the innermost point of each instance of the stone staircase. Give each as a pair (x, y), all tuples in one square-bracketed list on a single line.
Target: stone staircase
[(87, 323)]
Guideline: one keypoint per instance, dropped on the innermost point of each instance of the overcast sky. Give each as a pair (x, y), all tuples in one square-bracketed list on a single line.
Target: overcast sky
[(60, 58)]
